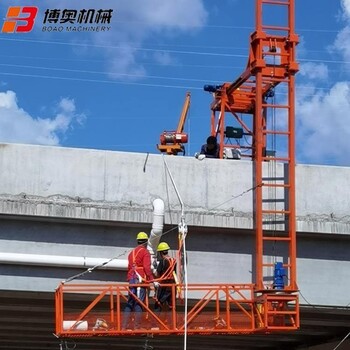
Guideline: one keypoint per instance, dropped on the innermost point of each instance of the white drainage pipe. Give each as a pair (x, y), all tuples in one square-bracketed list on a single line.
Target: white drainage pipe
[(81, 325), (60, 261), (157, 226), (86, 262)]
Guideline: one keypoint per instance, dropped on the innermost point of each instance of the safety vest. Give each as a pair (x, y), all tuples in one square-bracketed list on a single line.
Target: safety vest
[(168, 273), (138, 271)]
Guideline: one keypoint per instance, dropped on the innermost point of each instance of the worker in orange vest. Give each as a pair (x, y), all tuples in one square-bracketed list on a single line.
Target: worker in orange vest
[(165, 275), (139, 271)]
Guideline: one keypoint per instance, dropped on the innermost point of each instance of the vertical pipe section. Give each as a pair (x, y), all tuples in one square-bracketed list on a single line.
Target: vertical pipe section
[(258, 150), (157, 226), (291, 197)]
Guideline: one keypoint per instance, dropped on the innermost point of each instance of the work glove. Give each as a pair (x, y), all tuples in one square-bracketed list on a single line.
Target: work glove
[(156, 284)]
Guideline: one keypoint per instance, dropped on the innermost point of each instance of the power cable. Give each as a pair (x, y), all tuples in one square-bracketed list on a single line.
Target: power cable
[(135, 48), (101, 81), (104, 73), (242, 67), (313, 88), (324, 89), (316, 30), (301, 294), (60, 59)]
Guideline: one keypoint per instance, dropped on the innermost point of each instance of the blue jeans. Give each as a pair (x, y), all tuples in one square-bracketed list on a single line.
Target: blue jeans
[(134, 305)]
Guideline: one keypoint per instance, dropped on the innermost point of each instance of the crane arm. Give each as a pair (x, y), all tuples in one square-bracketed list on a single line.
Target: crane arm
[(172, 142), (184, 112)]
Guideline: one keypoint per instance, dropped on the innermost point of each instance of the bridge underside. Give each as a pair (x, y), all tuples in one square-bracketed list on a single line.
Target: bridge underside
[(27, 322), (75, 203)]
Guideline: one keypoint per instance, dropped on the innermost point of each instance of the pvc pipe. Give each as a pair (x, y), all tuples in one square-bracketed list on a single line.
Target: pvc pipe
[(81, 325), (61, 261), (82, 261), (157, 226)]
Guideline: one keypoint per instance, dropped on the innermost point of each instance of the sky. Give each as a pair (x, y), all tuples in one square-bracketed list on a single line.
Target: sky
[(120, 89)]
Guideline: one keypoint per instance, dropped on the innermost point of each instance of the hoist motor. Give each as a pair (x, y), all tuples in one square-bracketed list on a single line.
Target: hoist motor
[(173, 137)]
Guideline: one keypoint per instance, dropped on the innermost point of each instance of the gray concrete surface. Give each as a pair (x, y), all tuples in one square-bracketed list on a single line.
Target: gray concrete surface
[(119, 186), (79, 202)]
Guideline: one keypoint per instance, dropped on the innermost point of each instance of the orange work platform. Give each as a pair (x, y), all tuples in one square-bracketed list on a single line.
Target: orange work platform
[(85, 310)]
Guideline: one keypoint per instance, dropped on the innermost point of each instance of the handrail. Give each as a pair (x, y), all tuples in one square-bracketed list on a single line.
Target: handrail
[(87, 310)]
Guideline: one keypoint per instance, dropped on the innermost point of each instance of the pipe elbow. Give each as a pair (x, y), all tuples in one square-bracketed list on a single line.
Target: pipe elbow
[(157, 225)]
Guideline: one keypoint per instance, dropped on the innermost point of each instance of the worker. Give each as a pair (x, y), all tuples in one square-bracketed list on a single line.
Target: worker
[(211, 148), (139, 271), (165, 275)]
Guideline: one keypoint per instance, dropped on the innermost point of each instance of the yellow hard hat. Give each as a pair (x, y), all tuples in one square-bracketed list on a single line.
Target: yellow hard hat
[(162, 246), (141, 236)]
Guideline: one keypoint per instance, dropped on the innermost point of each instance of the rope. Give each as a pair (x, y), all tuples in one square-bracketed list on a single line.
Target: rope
[(341, 341), (301, 294), (272, 173), (91, 269), (167, 194), (183, 230), (337, 346), (186, 290), (65, 346), (219, 205), (146, 346)]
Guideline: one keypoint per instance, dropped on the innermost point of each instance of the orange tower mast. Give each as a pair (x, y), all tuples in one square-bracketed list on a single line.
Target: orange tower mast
[(251, 100)]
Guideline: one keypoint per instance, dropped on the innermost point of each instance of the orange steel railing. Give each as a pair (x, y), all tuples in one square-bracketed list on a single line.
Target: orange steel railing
[(86, 310)]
